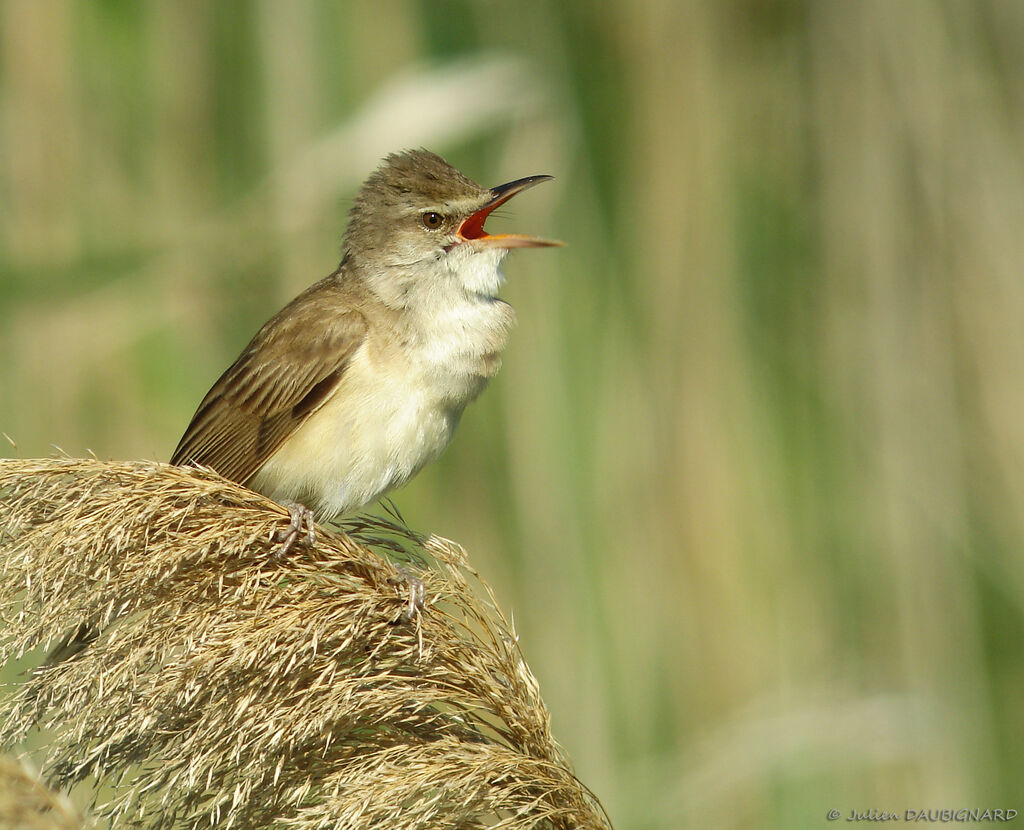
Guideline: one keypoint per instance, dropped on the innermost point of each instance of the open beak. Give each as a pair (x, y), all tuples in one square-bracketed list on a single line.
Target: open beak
[(472, 227)]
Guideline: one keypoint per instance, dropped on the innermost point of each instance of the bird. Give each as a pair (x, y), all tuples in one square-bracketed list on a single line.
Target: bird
[(361, 380)]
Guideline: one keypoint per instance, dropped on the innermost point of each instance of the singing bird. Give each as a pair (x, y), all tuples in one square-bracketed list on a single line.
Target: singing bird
[(360, 381)]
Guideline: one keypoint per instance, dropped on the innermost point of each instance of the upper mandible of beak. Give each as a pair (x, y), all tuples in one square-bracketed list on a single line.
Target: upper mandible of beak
[(472, 227)]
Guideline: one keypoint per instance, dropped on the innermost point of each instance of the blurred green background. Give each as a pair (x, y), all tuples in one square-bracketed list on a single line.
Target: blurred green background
[(751, 480)]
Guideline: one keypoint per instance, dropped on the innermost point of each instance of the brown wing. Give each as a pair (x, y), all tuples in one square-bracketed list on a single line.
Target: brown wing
[(286, 372)]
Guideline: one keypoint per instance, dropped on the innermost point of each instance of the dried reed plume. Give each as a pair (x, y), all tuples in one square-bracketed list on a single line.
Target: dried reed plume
[(228, 686), (26, 804)]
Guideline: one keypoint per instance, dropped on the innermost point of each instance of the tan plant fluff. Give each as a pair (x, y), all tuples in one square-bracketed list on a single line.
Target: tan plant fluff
[(26, 804), (227, 686)]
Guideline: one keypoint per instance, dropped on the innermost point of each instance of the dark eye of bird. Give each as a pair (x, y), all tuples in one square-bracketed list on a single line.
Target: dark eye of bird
[(432, 220)]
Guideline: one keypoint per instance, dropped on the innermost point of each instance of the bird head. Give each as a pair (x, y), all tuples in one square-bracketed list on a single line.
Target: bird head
[(419, 218)]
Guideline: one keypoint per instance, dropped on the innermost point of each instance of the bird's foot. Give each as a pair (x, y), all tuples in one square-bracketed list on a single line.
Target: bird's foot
[(417, 594), (301, 520)]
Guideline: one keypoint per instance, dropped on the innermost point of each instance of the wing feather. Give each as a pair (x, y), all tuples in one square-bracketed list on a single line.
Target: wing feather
[(288, 370)]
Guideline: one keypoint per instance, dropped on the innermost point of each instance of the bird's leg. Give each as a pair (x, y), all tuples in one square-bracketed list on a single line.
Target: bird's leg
[(417, 594), (301, 520)]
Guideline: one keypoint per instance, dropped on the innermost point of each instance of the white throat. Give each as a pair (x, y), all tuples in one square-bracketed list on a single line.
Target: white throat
[(477, 271)]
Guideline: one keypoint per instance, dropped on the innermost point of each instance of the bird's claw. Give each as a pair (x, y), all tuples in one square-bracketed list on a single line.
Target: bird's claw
[(417, 594), (301, 520)]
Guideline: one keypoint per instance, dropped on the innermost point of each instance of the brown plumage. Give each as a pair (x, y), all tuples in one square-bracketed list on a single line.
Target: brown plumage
[(277, 382), (361, 380)]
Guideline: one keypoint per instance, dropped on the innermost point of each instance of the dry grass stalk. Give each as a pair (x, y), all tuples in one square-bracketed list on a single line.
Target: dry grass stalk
[(231, 687)]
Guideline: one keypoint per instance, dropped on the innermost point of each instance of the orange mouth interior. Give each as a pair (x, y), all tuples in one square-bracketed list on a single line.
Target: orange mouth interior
[(473, 226)]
